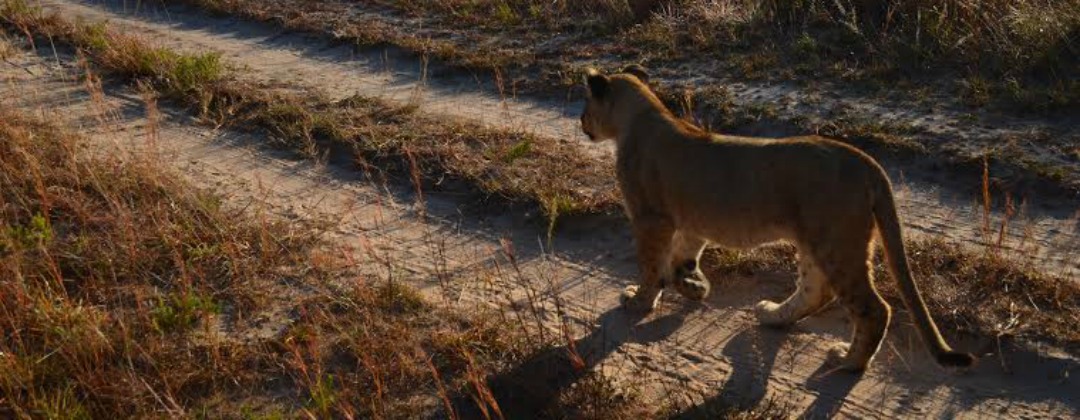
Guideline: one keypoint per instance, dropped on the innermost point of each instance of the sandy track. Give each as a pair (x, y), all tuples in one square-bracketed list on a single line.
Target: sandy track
[(337, 71), (694, 354)]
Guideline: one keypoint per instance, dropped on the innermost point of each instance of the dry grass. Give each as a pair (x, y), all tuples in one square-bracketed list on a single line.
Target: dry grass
[(128, 293), (7, 49), (315, 16), (111, 269), (107, 319), (507, 14), (1018, 53)]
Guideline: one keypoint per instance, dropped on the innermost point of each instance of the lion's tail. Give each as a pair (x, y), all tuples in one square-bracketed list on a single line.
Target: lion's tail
[(889, 227)]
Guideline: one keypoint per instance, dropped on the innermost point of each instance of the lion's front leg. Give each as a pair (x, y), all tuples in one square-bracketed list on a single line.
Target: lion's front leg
[(653, 239)]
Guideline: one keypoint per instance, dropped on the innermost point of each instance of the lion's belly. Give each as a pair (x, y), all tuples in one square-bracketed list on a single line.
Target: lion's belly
[(736, 233), (745, 238)]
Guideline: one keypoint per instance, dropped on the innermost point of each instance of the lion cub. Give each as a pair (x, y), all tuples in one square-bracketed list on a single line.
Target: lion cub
[(684, 188)]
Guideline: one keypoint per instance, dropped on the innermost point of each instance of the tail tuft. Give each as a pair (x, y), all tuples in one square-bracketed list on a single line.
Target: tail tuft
[(956, 359)]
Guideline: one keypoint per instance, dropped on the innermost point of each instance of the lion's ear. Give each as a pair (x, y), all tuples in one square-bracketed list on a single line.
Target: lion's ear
[(598, 83), (638, 71)]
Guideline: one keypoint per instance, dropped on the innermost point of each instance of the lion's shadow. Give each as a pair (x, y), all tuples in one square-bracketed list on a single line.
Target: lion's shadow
[(531, 387)]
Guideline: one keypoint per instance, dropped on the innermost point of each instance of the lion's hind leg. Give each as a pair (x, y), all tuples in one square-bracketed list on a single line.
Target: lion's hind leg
[(812, 293), (869, 314), (688, 279)]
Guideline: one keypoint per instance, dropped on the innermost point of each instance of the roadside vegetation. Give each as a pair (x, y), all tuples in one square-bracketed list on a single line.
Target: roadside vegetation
[(126, 292), (1020, 52), (980, 289)]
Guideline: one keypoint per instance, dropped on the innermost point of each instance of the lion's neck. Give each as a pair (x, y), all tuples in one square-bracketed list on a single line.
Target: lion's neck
[(646, 117)]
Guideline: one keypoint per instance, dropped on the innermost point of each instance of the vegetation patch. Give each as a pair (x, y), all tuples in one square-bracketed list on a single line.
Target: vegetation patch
[(102, 297), (126, 292), (1027, 44)]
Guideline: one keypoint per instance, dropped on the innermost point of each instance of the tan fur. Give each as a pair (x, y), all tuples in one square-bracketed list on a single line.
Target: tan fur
[(684, 188)]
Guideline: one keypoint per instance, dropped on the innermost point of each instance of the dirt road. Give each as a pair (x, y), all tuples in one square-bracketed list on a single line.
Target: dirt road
[(1045, 231), (685, 355)]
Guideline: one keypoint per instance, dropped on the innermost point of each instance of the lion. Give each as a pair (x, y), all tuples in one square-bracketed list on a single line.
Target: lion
[(684, 188)]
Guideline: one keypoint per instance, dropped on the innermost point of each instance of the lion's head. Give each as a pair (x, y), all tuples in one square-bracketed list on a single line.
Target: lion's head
[(597, 120)]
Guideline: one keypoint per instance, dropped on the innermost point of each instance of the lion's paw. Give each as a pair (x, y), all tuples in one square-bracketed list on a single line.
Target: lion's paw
[(838, 356), (768, 314), (692, 289), (635, 299), (838, 352), (691, 282)]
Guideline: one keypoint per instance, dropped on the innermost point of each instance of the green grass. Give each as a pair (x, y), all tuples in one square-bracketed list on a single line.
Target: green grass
[(181, 312)]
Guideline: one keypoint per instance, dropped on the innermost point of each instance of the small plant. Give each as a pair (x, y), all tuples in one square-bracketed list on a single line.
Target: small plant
[(191, 72), (555, 206), (96, 36), (395, 297), (63, 403), (596, 396), (323, 396), (181, 312), (976, 91), (505, 14), (519, 150), (806, 46), (34, 234)]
